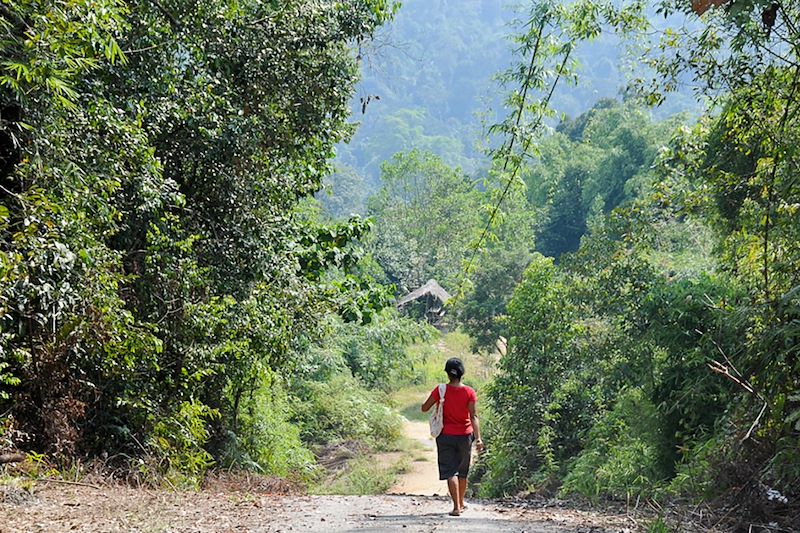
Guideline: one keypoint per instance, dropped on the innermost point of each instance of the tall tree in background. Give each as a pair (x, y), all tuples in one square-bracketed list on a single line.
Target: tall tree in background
[(344, 193), (426, 215), (592, 164), (482, 302)]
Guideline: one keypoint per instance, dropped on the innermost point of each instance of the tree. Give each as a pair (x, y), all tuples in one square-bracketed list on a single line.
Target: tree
[(497, 269), (344, 194), (743, 171), (426, 215), (604, 162), (155, 264)]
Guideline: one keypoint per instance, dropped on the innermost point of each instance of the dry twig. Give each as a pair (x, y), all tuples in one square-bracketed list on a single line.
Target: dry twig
[(723, 370), (11, 458), (65, 482)]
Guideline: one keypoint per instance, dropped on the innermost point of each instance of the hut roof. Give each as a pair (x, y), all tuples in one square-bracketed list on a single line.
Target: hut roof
[(431, 288)]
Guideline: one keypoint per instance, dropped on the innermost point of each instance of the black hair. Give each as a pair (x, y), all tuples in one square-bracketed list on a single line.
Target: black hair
[(454, 367)]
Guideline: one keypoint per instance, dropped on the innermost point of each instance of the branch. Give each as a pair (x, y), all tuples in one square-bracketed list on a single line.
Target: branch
[(755, 422), (173, 21), (11, 458), (722, 370), (65, 482)]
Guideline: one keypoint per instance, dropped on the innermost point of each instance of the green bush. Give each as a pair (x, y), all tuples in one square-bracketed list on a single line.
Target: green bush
[(177, 442), (342, 409), (266, 440), (502, 469), (376, 353), (694, 474), (624, 454)]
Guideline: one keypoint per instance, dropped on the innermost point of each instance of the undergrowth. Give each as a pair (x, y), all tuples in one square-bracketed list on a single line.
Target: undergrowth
[(339, 395), (343, 409), (363, 476)]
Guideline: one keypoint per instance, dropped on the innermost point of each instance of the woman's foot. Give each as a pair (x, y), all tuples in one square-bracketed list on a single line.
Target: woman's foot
[(455, 512), (463, 507)]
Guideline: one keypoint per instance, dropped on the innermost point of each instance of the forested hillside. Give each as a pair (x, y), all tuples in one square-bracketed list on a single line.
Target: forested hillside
[(179, 294), (430, 83)]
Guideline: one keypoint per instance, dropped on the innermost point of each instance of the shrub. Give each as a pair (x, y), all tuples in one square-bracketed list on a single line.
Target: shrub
[(694, 475), (177, 442), (376, 353), (342, 409), (266, 440), (624, 455)]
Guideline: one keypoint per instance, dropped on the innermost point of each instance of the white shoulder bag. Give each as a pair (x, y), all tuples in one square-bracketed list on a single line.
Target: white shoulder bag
[(437, 415)]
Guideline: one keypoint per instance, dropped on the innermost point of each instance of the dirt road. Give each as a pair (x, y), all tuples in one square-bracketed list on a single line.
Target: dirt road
[(60, 508), (413, 506), (422, 477)]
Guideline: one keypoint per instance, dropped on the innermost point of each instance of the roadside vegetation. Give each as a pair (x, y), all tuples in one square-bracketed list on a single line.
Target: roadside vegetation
[(370, 463)]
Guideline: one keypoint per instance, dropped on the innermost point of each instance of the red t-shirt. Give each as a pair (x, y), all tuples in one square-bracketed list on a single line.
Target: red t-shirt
[(456, 413)]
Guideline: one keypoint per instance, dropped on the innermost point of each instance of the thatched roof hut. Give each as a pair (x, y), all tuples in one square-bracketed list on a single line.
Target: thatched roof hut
[(431, 288), (430, 300)]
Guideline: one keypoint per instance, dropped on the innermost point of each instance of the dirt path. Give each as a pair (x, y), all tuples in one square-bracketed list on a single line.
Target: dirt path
[(60, 508), (417, 503), (422, 478)]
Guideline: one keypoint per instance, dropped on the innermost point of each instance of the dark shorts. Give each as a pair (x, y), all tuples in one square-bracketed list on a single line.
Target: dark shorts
[(455, 452)]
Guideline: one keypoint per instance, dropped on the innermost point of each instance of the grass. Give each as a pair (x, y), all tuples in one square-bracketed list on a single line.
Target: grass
[(403, 466), (372, 473), (364, 476), (408, 449), (408, 401), (658, 526)]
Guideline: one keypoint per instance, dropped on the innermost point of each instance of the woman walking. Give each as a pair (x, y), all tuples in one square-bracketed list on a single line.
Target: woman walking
[(454, 444)]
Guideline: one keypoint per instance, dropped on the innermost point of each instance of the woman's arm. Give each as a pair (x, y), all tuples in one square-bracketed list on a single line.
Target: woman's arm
[(476, 427), (430, 402)]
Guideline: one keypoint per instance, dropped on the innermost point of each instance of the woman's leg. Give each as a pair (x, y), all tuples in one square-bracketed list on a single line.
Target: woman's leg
[(453, 488), (462, 490), (465, 455)]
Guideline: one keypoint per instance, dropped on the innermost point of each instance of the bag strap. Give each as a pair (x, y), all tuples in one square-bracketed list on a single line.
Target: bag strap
[(442, 390)]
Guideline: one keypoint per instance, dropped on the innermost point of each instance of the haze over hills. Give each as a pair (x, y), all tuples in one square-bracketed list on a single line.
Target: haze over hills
[(428, 83)]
